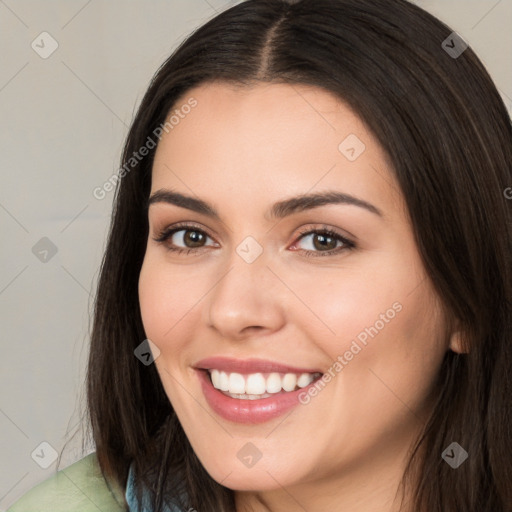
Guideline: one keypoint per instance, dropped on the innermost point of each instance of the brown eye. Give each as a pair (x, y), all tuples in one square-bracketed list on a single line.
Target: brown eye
[(324, 242), (321, 241), (191, 240)]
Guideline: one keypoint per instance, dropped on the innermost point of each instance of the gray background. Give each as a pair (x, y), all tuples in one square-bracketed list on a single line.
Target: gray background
[(63, 122)]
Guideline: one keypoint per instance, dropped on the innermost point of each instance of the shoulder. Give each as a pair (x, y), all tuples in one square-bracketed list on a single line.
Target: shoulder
[(78, 488)]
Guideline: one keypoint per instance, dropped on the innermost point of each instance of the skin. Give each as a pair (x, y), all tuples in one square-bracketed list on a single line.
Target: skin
[(242, 149)]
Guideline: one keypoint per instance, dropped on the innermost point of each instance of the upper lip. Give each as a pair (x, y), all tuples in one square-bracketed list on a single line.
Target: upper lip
[(253, 365)]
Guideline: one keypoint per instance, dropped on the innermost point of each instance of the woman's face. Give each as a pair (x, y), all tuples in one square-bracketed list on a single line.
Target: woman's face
[(270, 299)]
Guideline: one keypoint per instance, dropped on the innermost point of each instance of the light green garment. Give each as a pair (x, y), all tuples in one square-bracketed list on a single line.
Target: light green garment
[(78, 488)]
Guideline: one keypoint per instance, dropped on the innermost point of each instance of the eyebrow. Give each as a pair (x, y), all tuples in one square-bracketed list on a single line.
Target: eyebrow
[(278, 210)]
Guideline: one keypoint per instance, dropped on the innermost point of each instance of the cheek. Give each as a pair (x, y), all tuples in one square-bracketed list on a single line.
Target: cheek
[(382, 329), (152, 295), (346, 303), (397, 361), (159, 304), (168, 299)]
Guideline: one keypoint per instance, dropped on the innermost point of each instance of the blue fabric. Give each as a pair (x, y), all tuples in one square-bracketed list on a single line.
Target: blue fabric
[(145, 506)]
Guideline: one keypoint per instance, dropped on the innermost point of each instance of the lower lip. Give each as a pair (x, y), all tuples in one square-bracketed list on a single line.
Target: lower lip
[(248, 411)]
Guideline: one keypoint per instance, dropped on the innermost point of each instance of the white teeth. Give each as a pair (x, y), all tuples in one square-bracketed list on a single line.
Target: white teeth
[(215, 375), (304, 380), (259, 385), (223, 382), (248, 397), (289, 382), (274, 383), (255, 384), (236, 383)]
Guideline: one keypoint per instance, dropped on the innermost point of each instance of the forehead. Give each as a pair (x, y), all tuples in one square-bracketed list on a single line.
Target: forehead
[(268, 137), (273, 113), (233, 103)]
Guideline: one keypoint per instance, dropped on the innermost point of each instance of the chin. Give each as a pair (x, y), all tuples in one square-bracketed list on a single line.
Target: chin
[(262, 476), (251, 480)]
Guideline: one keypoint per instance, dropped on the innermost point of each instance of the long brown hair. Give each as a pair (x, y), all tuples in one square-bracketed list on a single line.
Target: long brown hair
[(448, 136)]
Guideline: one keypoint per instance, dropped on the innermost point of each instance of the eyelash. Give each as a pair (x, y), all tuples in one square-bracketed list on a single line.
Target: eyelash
[(165, 234)]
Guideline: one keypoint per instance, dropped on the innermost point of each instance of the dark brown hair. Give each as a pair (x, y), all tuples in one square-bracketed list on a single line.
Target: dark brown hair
[(448, 136)]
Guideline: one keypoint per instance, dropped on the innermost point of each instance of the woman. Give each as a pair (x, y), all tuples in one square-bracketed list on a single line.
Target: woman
[(304, 302)]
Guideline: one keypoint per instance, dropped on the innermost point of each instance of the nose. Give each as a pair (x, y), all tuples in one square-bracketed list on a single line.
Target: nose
[(247, 299)]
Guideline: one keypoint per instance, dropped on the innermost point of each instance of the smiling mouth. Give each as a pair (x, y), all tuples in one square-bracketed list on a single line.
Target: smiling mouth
[(255, 386)]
